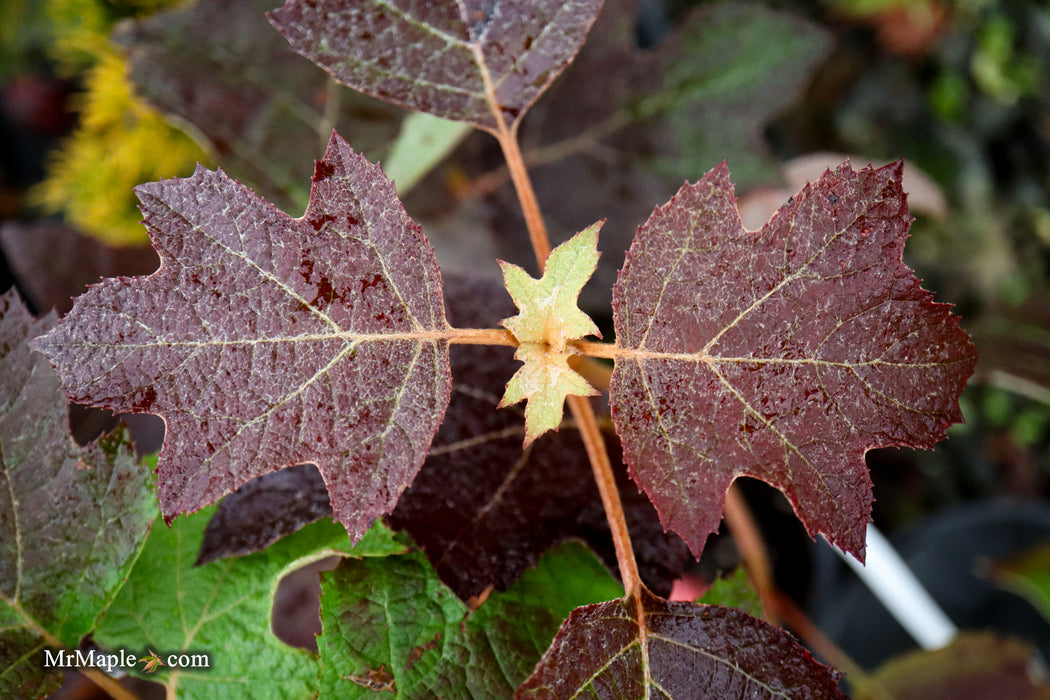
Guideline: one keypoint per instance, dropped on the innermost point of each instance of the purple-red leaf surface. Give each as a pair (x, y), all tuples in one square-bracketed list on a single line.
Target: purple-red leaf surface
[(783, 354), (477, 61), (675, 650), (266, 341)]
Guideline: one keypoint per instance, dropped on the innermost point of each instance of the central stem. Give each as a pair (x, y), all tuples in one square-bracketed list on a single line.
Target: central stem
[(582, 411), (530, 206)]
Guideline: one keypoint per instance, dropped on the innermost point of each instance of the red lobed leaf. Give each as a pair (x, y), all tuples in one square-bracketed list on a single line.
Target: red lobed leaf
[(266, 341), (783, 354), (471, 61), (674, 650)]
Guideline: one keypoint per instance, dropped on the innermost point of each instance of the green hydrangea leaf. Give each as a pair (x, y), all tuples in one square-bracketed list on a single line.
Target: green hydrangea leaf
[(734, 591), (422, 143), (549, 318), (391, 625), (222, 609), (72, 520)]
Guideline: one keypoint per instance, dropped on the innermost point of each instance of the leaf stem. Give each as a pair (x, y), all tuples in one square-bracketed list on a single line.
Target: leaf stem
[(530, 207), (609, 351), (583, 414), (581, 409), (481, 336)]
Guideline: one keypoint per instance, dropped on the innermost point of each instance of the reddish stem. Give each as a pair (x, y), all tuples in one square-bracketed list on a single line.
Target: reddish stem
[(580, 407), (530, 206)]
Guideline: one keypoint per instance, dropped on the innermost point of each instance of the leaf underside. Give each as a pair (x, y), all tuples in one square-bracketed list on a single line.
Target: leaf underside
[(266, 341), (72, 519), (681, 650), (475, 61), (783, 354)]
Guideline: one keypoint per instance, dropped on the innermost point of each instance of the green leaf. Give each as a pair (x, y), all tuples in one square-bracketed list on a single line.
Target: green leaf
[(423, 142), (391, 625), (72, 520), (549, 318), (223, 609), (734, 591)]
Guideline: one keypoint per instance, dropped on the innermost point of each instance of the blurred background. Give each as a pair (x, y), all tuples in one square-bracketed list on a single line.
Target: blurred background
[(97, 96)]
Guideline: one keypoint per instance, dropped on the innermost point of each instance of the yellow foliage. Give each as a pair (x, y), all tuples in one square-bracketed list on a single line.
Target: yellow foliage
[(121, 142)]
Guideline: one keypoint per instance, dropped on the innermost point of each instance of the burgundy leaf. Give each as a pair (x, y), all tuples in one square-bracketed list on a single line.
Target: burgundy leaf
[(477, 61), (263, 511), (675, 650), (783, 354), (266, 341)]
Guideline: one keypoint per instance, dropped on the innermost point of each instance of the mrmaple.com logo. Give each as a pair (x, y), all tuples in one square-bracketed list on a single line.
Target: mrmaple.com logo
[(122, 659)]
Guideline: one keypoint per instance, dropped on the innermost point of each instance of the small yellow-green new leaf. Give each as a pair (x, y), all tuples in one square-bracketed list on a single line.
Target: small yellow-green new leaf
[(549, 318), (544, 381), (549, 313)]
